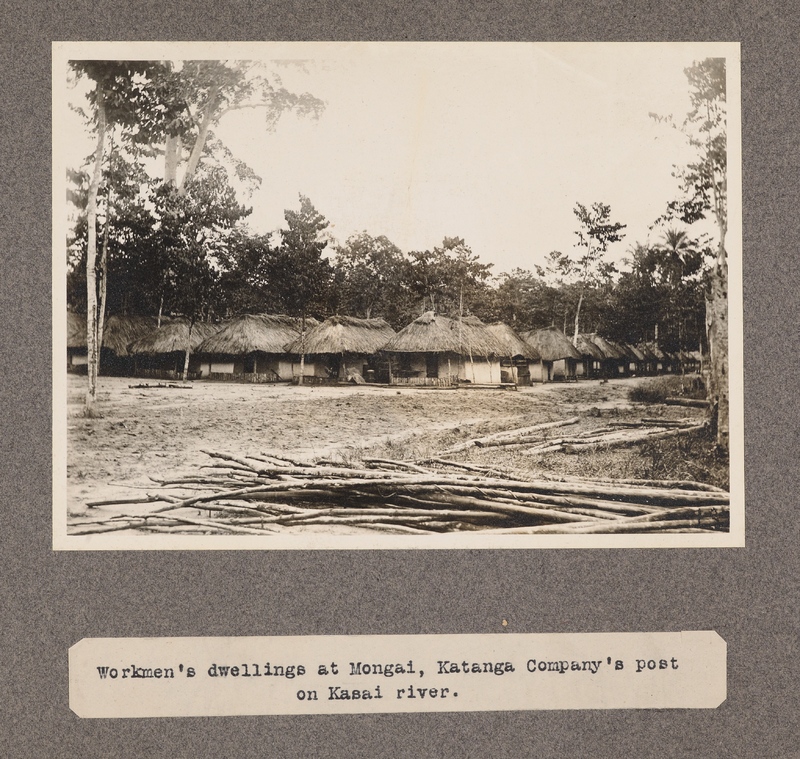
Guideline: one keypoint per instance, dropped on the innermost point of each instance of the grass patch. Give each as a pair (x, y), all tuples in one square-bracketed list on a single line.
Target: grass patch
[(648, 393), (89, 412), (687, 457), (658, 389)]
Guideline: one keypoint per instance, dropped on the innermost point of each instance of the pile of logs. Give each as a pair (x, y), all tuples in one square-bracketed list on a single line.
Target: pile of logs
[(268, 494), (537, 439)]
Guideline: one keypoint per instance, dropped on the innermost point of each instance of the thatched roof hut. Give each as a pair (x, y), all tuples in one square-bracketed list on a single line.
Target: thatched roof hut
[(432, 333), (587, 347), (608, 349), (251, 333), (513, 344), (119, 331), (172, 337), (343, 334), (551, 343)]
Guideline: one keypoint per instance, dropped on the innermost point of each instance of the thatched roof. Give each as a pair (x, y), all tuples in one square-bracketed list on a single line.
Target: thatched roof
[(551, 343), (635, 352), (172, 336), (251, 333), (513, 344), (608, 349), (118, 332), (655, 350), (431, 333), (76, 330), (587, 347), (646, 351), (344, 334), (621, 349)]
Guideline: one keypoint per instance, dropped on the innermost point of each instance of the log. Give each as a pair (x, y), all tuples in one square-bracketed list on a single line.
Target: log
[(136, 522), (469, 467), (126, 501), (400, 464), (614, 508), (160, 386), (669, 422), (687, 525), (285, 459), (691, 402), (506, 434), (554, 448), (682, 484), (627, 526), (503, 508), (630, 439)]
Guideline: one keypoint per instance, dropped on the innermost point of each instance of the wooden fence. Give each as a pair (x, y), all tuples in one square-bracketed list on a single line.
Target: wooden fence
[(425, 381), (253, 377)]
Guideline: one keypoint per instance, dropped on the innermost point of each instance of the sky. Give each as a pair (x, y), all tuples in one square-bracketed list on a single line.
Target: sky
[(491, 142)]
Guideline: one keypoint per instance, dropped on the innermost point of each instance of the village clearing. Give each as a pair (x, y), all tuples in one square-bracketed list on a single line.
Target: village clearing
[(164, 433)]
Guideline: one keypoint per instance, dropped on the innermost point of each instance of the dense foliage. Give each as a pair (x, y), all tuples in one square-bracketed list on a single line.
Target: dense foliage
[(169, 219)]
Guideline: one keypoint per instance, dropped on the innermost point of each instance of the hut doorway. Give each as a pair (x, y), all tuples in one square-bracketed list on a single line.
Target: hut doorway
[(432, 365), (522, 372)]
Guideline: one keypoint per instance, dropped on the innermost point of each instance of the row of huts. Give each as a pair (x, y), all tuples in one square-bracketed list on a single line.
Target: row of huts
[(434, 350)]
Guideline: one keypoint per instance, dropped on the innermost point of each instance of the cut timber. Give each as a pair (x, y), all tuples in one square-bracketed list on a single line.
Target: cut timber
[(669, 422), (692, 402), (629, 439), (507, 435), (160, 386), (257, 497)]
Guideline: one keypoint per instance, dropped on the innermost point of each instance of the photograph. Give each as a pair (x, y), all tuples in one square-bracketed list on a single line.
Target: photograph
[(365, 295)]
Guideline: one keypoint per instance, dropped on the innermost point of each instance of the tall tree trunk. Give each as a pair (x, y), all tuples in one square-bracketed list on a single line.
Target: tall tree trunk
[(577, 319), (101, 308), (92, 336), (717, 329), (200, 142), (172, 157), (302, 349), (188, 351)]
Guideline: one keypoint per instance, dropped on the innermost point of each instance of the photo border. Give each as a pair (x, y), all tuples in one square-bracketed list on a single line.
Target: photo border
[(735, 537)]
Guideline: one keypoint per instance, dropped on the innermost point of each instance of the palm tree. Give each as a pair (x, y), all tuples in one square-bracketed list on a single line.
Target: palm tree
[(681, 259), (680, 252)]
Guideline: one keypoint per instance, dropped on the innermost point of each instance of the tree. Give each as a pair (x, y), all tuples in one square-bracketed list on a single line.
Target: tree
[(680, 269), (450, 278), (243, 282), (703, 188), (174, 104), (192, 233), (371, 274), (297, 273), (521, 299), (203, 92), (120, 96), (464, 276), (559, 273), (595, 233)]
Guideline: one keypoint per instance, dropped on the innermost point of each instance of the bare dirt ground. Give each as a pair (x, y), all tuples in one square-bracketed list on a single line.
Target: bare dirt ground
[(144, 433)]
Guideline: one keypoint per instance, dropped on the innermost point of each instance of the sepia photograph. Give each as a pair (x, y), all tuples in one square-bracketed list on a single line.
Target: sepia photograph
[(397, 295)]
